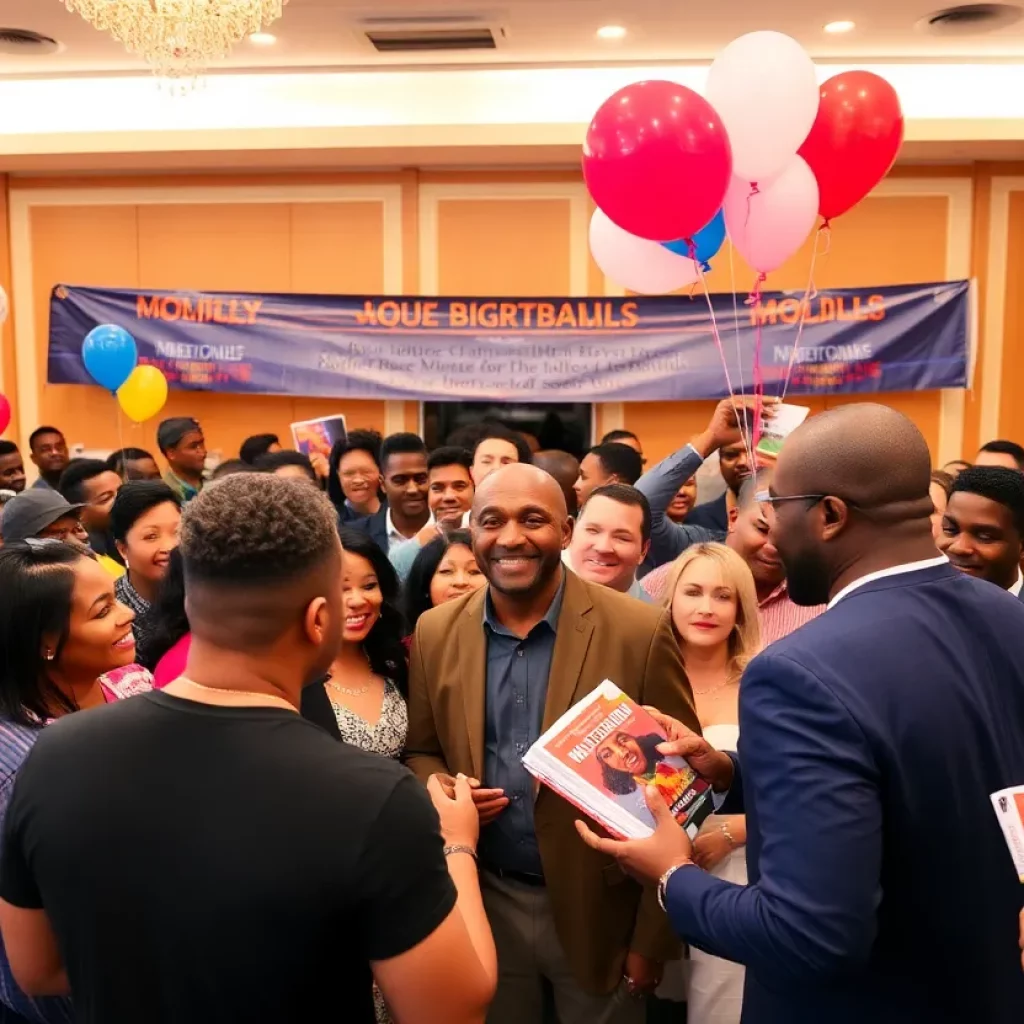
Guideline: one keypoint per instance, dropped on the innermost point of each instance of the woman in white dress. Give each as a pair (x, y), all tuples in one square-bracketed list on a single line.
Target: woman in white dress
[(711, 593)]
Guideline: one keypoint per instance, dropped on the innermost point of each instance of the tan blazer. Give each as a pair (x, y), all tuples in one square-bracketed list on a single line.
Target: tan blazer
[(600, 914)]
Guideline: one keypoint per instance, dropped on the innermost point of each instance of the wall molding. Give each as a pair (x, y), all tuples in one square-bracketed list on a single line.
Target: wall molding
[(23, 201)]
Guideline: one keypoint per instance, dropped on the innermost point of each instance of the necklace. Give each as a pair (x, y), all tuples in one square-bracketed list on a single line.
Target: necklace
[(713, 689), (223, 692), (350, 691)]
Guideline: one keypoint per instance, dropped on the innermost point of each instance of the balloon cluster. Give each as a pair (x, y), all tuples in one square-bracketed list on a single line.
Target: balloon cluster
[(112, 359), (759, 158)]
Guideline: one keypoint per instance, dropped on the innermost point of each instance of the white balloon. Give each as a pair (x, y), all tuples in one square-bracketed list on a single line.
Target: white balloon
[(767, 227), (765, 89), (5, 306), (637, 263)]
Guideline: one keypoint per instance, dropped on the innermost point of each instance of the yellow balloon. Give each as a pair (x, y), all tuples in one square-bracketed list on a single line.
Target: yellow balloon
[(143, 394)]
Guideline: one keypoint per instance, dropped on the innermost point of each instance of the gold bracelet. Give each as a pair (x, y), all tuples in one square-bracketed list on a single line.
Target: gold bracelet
[(729, 837)]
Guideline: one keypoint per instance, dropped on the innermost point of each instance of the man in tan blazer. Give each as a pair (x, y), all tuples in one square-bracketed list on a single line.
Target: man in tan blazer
[(489, 673)]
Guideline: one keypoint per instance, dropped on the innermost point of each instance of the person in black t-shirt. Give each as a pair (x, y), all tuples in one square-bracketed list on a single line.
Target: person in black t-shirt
[(203, 854)]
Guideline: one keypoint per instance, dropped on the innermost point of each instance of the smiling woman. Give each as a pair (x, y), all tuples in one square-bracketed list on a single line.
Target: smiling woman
[(67, 645)]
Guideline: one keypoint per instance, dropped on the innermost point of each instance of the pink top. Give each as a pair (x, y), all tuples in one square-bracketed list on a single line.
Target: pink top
[(172, 664)]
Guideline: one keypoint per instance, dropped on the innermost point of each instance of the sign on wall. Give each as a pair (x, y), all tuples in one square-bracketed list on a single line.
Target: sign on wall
[(904, 338)]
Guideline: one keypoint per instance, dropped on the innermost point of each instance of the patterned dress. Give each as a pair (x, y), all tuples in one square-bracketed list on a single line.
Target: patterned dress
[(386, 738)]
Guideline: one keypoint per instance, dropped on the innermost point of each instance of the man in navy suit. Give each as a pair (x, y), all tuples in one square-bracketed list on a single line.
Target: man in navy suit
[(881, 890), (983, 526)]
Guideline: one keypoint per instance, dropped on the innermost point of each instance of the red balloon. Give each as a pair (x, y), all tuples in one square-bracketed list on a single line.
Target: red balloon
[(657, 160), (5, 413), (855, 139)]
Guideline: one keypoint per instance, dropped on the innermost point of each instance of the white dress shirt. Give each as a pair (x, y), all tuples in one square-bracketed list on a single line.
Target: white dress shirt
[(1015, 589), (395, 537), (895, 570)]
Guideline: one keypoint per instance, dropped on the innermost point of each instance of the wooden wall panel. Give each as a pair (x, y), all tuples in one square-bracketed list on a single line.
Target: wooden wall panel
[(1011, 410), (503, 246), (8, 362)]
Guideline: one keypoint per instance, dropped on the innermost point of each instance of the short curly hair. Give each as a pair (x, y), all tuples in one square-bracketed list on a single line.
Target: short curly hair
[(254, 527), (1003, 486)]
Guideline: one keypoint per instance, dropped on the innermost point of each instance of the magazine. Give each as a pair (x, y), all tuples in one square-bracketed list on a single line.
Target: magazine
[(1009, 807), (600, 755), (775, 431), (318, 437)]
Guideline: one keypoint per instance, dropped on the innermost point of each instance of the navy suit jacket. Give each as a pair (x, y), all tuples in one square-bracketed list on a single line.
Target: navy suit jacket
[(712, 515), (375, 527), (881, 890)]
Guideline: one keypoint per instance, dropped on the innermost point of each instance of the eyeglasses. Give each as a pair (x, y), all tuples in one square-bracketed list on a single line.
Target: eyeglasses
[(767, 498)]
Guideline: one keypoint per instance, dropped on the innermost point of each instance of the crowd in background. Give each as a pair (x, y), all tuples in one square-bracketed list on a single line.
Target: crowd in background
[(482, 587)]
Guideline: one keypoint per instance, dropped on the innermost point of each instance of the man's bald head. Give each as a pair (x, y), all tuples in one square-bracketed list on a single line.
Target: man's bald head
[(565, 468), (529, 480), (869, 454), (520, 526), (852, 490)]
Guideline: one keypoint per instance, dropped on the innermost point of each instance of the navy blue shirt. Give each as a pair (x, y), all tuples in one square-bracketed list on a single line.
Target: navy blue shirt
[(516, 689)]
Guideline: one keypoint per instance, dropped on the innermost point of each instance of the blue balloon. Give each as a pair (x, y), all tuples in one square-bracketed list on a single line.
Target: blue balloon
[(707, 241), (110, 354)]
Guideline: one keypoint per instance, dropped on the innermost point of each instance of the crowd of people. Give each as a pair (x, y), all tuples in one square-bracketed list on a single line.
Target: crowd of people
[(296, 789)]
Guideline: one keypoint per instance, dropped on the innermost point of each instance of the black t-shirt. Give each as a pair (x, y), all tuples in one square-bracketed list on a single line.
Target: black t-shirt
[(209, 864)]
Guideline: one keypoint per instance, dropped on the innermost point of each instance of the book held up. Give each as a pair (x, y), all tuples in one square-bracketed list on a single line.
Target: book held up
[(318, 437), (1009, 808), (602, 754)]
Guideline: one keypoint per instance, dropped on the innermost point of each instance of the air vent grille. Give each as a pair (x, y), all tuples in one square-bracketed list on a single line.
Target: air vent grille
[(22, 42), (428, 40)]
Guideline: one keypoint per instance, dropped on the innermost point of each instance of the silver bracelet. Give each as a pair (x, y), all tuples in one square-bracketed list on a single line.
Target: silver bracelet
[(449, 850), (663, 883)]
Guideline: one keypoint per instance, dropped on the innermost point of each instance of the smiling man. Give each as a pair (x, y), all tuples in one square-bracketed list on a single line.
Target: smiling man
[(489, 672), (12, 468), (610, 540), (983, 528)]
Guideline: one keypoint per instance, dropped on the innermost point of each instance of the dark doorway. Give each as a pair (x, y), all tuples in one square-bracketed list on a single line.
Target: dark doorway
[(564, 425)]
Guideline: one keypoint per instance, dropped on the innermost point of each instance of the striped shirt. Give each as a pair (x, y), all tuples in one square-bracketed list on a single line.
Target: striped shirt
[(778, 615), (16, 741)]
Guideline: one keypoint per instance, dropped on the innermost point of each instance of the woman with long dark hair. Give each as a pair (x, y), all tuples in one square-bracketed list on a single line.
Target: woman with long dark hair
[(368, 680), (66, 644), (444, 569), (164, 649)]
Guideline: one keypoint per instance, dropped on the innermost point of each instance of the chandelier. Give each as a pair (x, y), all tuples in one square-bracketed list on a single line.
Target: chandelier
[(178, 38)]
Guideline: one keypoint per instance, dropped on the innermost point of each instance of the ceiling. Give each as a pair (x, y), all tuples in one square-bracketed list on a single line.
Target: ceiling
[(330, 34)]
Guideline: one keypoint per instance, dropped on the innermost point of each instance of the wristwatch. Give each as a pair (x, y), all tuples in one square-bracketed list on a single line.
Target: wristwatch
[(663, 883)]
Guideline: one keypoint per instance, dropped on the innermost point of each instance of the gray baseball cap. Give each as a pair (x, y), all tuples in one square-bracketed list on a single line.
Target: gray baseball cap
[(26, 514)]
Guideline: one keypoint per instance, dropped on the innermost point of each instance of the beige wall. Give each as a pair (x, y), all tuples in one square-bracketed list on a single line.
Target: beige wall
[(479, 233)]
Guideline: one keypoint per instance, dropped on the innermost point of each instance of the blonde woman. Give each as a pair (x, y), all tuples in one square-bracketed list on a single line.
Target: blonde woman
[(713, 603)]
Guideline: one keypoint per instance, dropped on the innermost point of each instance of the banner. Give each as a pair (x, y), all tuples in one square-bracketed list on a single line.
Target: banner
[(904, 338)]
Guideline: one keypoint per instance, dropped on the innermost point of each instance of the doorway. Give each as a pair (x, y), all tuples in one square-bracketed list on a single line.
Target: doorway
[(563, 425)]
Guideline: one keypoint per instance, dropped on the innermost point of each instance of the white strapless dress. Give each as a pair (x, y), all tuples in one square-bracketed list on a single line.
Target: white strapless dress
[(715, 988)]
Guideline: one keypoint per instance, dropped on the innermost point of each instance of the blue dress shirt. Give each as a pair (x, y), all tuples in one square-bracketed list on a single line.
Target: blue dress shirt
[(516, 690)]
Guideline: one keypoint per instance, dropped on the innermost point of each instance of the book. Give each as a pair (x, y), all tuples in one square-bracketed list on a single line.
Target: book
[(1009, 808), (775, 431), (601, 755), (318, 437)]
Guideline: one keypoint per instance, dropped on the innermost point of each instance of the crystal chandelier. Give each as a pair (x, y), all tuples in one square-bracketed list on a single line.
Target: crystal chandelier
[(178, 38)]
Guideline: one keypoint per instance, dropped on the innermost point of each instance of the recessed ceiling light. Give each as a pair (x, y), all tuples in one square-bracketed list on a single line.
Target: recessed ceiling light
[(836, 27), (262, 39), (611, 32)]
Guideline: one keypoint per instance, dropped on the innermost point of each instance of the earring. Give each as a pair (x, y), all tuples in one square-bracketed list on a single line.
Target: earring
[(49, 655)]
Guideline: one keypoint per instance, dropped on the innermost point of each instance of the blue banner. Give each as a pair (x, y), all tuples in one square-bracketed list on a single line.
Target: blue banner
[(903, 338)]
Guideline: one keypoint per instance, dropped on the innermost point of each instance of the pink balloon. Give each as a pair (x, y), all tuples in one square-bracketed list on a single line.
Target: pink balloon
[(5, 413), (637, 263), (768, 226), (657, 160)]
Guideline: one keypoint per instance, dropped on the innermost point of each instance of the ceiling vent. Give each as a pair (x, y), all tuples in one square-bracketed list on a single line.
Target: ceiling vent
[(20, 42), (970, 19), (441, 33)]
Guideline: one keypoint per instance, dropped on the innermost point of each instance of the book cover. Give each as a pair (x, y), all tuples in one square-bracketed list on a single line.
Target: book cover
[(1009, 808), (318, 437), (601, 755), (775, 431)]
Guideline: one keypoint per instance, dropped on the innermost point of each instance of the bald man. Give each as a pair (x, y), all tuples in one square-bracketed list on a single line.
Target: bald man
[(565, 468), (880, 887), (489, 673)]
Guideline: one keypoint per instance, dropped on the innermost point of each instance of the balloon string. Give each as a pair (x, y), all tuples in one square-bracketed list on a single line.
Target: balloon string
[(120, 439), (739, 345), (754, 300), (810, 294), (718, 338)]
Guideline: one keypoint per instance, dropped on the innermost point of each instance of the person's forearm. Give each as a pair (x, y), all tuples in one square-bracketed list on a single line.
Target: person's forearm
[(463, 870), (737, 826)]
